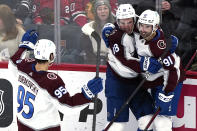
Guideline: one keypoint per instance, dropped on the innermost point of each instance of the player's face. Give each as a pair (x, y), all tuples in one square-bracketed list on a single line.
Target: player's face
[(126, 25), (145, 30), (102, 12)]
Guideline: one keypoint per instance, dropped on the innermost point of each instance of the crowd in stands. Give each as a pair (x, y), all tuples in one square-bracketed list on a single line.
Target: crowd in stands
[(77, 16)]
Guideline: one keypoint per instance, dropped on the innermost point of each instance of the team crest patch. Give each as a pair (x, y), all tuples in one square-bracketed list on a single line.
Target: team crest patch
[(161, 44), (1, 102), (52, 76)]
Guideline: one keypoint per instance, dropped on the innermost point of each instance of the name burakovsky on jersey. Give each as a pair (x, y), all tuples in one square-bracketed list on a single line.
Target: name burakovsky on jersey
[(28, 83)]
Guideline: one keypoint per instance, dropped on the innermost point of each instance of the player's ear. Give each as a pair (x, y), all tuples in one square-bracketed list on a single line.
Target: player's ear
[(51, 57)]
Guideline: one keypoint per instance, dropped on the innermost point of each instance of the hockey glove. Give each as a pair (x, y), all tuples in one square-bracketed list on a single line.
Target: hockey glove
[(29, 39), (174, 43), (93, 87), (150, 64), (107, 30), (163, 100)]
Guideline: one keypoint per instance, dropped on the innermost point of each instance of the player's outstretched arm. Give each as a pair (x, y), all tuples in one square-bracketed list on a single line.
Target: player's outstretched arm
[(28, 41), (107, 30), (92, 88)]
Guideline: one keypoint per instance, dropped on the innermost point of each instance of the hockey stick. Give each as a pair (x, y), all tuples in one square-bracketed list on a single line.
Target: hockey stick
[(190, 61), (126, 103), (96, 36), (152, 119)]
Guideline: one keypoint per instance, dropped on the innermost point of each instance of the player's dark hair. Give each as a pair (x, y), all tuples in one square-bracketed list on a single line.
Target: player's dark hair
[(41, 61), (51, 57)]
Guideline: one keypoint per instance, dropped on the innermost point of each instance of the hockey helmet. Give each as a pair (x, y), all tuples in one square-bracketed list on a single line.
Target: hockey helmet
[(149, 17), (43, 49), (125, 11)]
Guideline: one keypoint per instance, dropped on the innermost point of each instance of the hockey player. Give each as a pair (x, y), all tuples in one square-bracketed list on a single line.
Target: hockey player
[(121, 50), (150, 43), (41, 93)]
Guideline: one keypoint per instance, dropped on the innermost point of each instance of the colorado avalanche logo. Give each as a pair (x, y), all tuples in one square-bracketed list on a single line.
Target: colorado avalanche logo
[(52, 76), (161, 44), (1, 102)]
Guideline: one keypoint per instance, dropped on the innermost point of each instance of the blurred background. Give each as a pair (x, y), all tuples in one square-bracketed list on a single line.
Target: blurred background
[(62, 21)]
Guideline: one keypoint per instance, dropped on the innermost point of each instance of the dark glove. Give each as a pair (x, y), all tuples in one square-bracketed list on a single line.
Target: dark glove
[(149, 64), (163, 100), (93, 87), (107, 30), (29, 39)]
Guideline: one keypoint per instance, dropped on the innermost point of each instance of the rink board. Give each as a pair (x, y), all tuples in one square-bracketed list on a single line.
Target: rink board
[(80, 119)]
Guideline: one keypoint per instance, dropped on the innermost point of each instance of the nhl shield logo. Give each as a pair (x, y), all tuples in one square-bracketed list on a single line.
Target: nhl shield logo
[(1, 102)]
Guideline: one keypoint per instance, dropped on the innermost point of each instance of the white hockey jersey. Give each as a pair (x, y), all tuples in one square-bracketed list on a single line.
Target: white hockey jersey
[(121, 45), (40, 95), (121, 54), (172, 69)]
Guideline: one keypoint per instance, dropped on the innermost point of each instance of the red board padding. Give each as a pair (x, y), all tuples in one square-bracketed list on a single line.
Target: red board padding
[(188, 90), (68, 67), (191, 74), (77, 67), (3, 65)]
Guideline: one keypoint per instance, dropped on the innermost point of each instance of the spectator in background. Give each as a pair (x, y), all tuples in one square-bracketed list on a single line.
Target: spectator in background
[(72, 19), (10, 33), (88, 45), (23, 10), (113, 4), (71, 11), (10, 3), (167, 6), (187, 29)]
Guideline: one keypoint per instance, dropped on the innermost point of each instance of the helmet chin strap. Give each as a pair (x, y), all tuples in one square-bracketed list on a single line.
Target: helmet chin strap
[(51, 59), (151, 36)]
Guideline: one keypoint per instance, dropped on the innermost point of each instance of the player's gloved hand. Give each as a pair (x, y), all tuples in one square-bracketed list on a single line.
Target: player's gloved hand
[(150, 64), (163, 100), (107, 30), (174, 43), (93, 87), (29, 39)]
